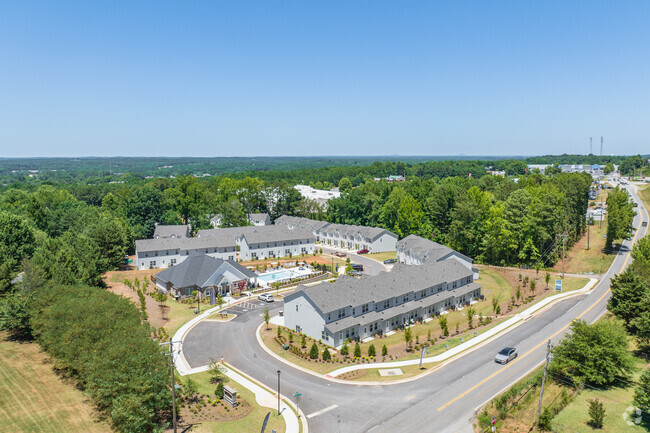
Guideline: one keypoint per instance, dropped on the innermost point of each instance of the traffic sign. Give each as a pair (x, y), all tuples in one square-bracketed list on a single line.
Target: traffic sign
[(558, 285)]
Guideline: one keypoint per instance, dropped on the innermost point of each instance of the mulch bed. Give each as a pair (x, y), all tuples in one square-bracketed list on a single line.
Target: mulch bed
[(215, 413)]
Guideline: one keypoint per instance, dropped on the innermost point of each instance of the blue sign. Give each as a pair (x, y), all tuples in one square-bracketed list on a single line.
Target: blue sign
[(212, 298), (266, 421), (424, 350), (558, 285)]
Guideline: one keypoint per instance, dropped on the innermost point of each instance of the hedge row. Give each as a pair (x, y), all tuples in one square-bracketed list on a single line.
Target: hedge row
[(99, 340)]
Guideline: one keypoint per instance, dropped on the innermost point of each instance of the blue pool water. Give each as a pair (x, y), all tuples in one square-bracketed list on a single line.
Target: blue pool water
[(276, 276)]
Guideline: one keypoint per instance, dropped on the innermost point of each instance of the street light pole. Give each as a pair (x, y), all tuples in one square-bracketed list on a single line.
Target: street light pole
[(278, 392), (173, 367)]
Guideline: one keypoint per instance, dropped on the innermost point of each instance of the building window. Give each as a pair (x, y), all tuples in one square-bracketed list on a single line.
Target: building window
[(231, 258), (156, 254), (386, 303), (152, 264), (296, 307), (364, 309), (146, 254), (172, 262), (341, 313), (323, 335)]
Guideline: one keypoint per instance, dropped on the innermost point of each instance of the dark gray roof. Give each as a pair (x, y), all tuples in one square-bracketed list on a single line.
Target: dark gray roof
[(258, 217), (225, 240), (170, 231), (371, 233), (299, 222), (201, 271), (265, 234), (425, 249), (353, 292), (406, 307)]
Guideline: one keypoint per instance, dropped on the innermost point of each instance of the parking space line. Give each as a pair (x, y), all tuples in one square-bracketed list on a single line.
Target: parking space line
[(322, 411)]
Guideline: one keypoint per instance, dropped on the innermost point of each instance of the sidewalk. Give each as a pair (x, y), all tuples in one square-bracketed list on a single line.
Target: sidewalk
[(470, 343), (262, 396)]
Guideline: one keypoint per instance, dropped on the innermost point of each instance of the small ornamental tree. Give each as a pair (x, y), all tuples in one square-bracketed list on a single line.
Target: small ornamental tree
[(642, 392), (344, 349), (533, 286), (279, 332), (547, 279), (371, 351), (267, 317), (545, 418), (471, 311), (303, 342), (219, 391), (313, 352), (290, 337), (443, 325), (495, 303), (408, 336), (191, 389), (357, 350), (384, 350), (596, 413), (326, 355)]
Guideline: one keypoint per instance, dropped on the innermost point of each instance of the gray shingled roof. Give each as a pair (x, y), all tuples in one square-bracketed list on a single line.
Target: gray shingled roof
[(200, 271), (167, 231), (371, 233), (352, 292), (258, 216), (266, 234), (373, 316), (424, 248)]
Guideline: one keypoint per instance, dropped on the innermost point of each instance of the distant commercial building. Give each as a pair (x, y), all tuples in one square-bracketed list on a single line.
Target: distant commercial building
[(320, 196)]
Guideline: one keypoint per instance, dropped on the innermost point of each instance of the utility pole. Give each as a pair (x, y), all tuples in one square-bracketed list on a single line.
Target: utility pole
[(587, 233), (564, 236), (278, 392), (172, 365), (541, 393)]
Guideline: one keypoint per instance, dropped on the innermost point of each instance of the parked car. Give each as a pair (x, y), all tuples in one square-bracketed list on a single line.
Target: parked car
[(363, 251), (506, 355), (266, 297), (357, 267), (340, 254), (356, 273), (302, 268), (389, 261), (644, 223)]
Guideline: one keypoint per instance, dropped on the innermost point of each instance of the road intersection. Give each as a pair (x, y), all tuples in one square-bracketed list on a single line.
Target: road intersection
[(445, 400)]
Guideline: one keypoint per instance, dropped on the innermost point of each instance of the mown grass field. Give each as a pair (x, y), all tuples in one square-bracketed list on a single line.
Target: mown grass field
[(380, 257), (34, 399)]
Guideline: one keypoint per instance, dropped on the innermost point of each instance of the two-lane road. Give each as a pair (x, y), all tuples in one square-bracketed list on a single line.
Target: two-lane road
[(442, 401)]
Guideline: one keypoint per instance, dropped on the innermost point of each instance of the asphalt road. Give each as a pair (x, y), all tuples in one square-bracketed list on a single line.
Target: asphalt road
[(442, 401), (370, 266)]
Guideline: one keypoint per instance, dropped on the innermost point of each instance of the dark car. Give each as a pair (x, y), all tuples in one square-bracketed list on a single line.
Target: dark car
[(363, 251), (506, 355), (357, 267), (389, 261), (644, 223)]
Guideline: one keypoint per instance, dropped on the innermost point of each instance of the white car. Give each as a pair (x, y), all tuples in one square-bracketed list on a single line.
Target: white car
[(266, 297), (506, 355)]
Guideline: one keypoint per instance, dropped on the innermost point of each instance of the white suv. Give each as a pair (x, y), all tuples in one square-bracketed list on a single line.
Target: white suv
[(266, 297)]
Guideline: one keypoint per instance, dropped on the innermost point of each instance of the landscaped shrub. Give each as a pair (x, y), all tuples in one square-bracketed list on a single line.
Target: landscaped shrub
[(357, 350), (384, 350), (279, 332), (303, 342), (219, 391), (313, 352), (371, 351), (326, 355), (344, 349)]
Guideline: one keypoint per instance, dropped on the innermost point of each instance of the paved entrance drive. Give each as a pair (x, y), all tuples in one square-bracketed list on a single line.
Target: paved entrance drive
[(391, 372)]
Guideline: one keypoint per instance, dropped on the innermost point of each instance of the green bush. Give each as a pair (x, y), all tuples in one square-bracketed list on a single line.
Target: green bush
[(313, 352), (326, 355), (357, 350), (219, 391), (384, 350), (344, 349), (545, 418), (371, 351)]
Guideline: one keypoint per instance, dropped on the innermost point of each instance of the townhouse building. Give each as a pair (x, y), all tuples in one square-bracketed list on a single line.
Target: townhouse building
[(360, 308)]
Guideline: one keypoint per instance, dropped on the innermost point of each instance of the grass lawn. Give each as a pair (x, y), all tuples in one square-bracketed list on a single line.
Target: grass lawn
[(34, 399), (179, 314), (372, 374), (495, 283), (644, 193), (580, 260), (380, 257), (251, 424)]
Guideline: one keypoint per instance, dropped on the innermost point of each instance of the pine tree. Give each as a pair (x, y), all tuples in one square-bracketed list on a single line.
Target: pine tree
[(357, 350), (313, 352), (371, 351), (596, 413)]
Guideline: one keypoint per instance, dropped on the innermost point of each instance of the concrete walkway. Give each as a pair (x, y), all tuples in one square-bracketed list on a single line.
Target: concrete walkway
[(263, 397), (474, 341)]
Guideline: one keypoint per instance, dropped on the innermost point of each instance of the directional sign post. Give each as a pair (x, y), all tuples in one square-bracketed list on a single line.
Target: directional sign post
[(558, 285), (424, 350), (297, 396)]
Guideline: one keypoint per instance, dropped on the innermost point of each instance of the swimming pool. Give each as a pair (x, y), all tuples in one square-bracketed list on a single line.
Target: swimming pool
[(277, 275)]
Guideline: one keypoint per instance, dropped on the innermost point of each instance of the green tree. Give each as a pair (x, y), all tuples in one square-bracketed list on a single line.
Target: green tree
[(219, 391), (598, 354), (620, 215), (217, 372), (442, 320), (545, 418), (408, 336), (372, 351), (384, 350), (191, 389), (344, 349), (267, 317), (596, 413), (471, 311), (642, 392), (326, 355), (547, 279), (17, 242), (630, 299), (357, 350), (313, 351), (495, 303), (609, 167), (345, 184)]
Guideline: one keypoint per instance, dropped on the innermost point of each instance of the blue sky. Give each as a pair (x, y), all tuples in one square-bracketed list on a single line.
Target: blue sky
[(223, 78)]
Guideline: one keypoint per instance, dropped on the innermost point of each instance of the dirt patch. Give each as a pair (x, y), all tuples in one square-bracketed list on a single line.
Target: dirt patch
[(208, 409), (158, 315), (352, 375)]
